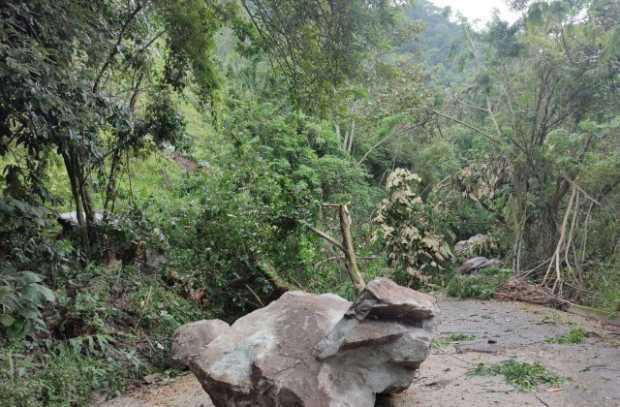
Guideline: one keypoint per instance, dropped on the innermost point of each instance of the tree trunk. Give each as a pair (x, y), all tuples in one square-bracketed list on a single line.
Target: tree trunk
[(110, 194), (80, 190), (349, 251)]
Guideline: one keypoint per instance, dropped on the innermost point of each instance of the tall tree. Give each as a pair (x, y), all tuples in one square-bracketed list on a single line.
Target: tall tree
[(545, 95)]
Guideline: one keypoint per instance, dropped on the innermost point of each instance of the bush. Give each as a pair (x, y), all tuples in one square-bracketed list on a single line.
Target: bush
[(412, 244), (281, 167), (65, 376), (161, 312), (482, 286), (573, 337), (26, 244), (22, 296)]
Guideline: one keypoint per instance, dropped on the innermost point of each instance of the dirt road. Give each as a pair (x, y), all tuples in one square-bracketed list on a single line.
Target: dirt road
[(469, 333)]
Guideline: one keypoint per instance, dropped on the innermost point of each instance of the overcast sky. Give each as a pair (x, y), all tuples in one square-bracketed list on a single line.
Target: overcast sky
[(481, 10)]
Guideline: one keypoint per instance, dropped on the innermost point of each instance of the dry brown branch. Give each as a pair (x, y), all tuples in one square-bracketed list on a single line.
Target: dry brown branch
[(585, 232), (571, 233)]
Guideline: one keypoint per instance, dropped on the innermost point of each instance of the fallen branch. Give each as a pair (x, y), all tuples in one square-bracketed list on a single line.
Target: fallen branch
[(324, 236), (349, 252), (260, 302), (346, 246)]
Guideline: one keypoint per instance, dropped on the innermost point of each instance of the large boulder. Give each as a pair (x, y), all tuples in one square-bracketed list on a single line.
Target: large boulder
[(189, 339), (307, 350)]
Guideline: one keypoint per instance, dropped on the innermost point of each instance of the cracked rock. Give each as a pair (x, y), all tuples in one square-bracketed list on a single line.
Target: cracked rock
[(307, 350)]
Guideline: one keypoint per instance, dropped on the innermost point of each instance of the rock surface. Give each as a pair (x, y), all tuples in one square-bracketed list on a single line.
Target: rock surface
[(476, 264), (308, 350), (190, 338)]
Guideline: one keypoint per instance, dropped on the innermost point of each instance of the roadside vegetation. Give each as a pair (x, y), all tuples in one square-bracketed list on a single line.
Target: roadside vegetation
[(523, 375), (575, 336)]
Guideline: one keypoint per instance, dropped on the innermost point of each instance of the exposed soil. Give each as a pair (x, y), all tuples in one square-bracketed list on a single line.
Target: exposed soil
[(500, 331)]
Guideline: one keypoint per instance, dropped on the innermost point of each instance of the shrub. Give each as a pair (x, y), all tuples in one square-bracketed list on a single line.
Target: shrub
[(404, 226), (482, 286), (65, 376), (574, 337), (161, 312), (22, 296)]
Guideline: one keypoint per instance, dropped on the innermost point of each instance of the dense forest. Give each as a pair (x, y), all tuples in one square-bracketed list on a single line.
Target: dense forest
[(168, 161)]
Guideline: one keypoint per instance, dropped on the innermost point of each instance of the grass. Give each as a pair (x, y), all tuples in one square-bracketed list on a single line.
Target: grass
[(523, 375), (481, 286), (574, 337)]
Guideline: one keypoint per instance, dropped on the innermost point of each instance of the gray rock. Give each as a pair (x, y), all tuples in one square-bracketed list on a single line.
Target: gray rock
[(307, 350), (189, 339), (69, 219), (476, 264), (383, 299)]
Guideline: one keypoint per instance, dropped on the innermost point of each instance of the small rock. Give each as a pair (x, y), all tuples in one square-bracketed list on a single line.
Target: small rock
[(475, 264)]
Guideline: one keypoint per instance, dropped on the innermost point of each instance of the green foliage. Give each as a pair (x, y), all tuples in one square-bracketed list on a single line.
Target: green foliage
[(439, 42), (162, 121), (22, 296), (319, 46), (24, 246), (482, 286), (574, 337), (182, 122), (61, 377), (525, 376), (412, 245), (191, 27), (162, 312), (281, 167)]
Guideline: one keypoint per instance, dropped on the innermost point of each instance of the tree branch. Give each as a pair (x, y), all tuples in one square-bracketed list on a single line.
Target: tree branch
[(324, 236), (115, 49)]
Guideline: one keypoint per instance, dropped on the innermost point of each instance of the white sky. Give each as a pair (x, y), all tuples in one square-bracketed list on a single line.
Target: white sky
[(478, 11)]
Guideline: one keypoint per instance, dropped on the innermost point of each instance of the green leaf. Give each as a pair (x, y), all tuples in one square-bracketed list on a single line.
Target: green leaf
[(30, 277), (30, 314), (46, 293), (6, 320)]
